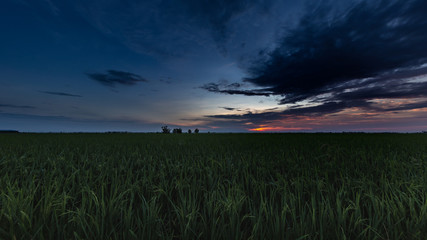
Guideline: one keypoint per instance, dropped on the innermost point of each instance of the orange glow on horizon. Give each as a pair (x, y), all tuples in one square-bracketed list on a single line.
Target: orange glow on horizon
[(271, 129)]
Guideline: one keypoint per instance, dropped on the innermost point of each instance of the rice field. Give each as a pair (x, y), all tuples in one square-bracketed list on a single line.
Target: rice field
[(213, 186)]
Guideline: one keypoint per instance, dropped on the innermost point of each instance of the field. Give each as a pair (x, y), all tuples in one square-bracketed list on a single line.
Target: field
[(213, 186)]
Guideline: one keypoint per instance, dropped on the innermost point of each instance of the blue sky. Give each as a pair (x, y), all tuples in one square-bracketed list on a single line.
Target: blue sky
[(216, 65)]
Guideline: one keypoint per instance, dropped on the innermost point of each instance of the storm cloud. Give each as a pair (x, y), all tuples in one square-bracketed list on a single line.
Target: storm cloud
[(372, 50), (369, 41), (113, 77)]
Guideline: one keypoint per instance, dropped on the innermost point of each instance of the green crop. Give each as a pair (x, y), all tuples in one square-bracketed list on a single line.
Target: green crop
[(213, 186)]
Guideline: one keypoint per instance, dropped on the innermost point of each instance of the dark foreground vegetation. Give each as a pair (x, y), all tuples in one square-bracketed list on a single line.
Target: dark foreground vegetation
[(213, 186)]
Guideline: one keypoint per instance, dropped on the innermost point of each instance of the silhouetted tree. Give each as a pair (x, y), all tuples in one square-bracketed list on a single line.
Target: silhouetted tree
[(196, 130), (189, 130), (165, 129), (177, 130)]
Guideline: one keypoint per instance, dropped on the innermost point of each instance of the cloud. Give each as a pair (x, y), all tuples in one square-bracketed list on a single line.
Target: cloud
[(389, 90), (230, 108), (370, 40), (234, 109), (233, 88), (409, 106), (322, 109), (61, 94), (113, 77), (325, 108), (16, 106), (337, 61)]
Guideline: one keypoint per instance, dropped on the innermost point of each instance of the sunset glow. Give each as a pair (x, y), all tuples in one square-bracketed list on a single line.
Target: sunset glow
[(277, 129)]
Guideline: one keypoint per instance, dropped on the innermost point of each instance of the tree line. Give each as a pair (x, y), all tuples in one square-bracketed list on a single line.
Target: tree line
[(165, 129)]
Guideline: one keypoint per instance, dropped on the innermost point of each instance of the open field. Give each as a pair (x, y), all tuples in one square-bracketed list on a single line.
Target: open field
[(213, 186)]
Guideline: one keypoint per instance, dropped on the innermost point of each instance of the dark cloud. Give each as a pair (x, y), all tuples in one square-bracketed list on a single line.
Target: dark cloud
[(234, 88), (247, 109), (61, 94), (370, 40), (329, 107), (228, 108), (387, 90), (409, 106), (16, 106), (255, 118), (317, 110), (113, 77), (372, 50), (231, 109)]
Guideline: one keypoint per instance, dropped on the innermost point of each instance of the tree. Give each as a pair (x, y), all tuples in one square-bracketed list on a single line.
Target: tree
[(177, 130), (165, 129), (189, 130), (196, 130)]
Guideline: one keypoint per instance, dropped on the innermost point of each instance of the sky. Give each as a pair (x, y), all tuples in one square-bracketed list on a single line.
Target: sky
[(215, 65)]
